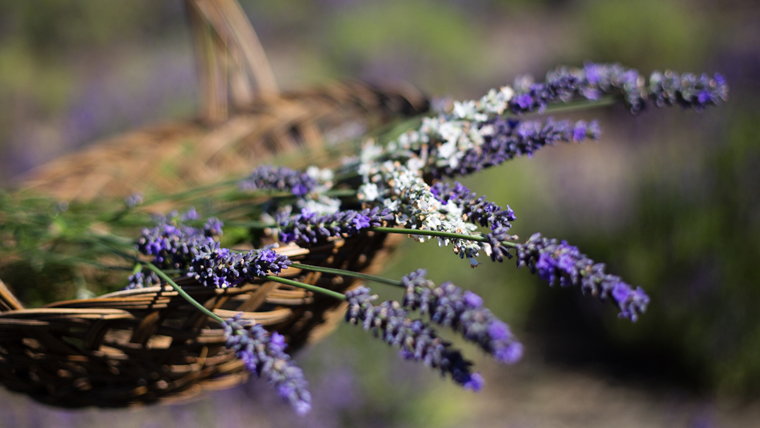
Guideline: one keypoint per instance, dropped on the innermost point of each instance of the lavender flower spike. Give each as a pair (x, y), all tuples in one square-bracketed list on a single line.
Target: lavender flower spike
[(417, 340), (463, 311), (264, 355), (222, 268), (594, 80), (309, 228), (268, 177), (505, 139), (172, 246), (559, 261)]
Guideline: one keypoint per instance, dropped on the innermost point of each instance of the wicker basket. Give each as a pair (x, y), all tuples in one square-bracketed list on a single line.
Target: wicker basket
[(149, 345)]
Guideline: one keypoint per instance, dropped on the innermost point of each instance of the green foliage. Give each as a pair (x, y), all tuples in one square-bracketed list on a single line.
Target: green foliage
[(432, 37), (647, 33)]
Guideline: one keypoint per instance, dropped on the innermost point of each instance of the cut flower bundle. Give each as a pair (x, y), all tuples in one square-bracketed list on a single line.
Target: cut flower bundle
[(394, 188)]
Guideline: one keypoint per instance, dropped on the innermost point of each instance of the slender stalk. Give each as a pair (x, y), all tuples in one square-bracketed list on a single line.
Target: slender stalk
[(359, 275), (250, 224), (427, 233), (190, 192), (576, 105), (436, 233), (309, 287), (182, 292)]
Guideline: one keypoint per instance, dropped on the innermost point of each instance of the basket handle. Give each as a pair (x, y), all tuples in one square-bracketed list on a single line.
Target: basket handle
[(231, 61), (8, 301)]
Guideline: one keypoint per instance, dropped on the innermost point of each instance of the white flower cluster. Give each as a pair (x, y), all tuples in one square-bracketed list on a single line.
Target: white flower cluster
[(403, 191), (316, 201), (444, 140)]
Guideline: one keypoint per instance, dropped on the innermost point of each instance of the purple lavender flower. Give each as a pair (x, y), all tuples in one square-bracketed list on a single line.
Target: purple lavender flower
[(264, 355), (189, 215), (512, 138), (496, 238), (418, 341), (141, 280), (687, 90), (172, 247), (477, 210), (472, 300), (134, 200), (173, 244), (221, 268), (308, 228), (554, 262), (213, 227), (594, 80), (284, 179), (462, 311)]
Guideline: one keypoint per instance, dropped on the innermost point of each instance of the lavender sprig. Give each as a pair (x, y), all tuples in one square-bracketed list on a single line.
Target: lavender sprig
[(173, 244), (418, 341), (415, 206), (475, 210), (284, 179), (134, 200), (264, 355), (596, 80), (479, 134), (141, 280), (462, 311), (554, 261), (505, 139), (309, 228), (218, 267)]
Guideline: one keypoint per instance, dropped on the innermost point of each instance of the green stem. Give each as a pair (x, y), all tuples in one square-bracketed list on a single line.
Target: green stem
[(578, 105), (250, 224), (182, 292), (359, 275), (435, 233), (187, 193), (309, 287)]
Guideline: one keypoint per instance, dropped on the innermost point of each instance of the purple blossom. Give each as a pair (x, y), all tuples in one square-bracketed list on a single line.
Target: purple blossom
[(687, 90), (173, 244), (512, 138), (172, 247), (389, 321), (475, 383), (134, 200), (496, 238), (462, 311), (213, 227), (264, 355), (509, 354), (473, 300), (284, 179), (308, 228), (221, 268), (594, 80), (499, 330), (477, 210), (190, 214), (563, 263), (141, 280)]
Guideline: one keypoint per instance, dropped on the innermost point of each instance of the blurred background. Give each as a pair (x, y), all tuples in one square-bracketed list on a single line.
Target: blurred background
[(669, 199)]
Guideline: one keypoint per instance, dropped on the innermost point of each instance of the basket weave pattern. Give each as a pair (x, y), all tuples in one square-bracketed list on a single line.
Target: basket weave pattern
[(148, 345)]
